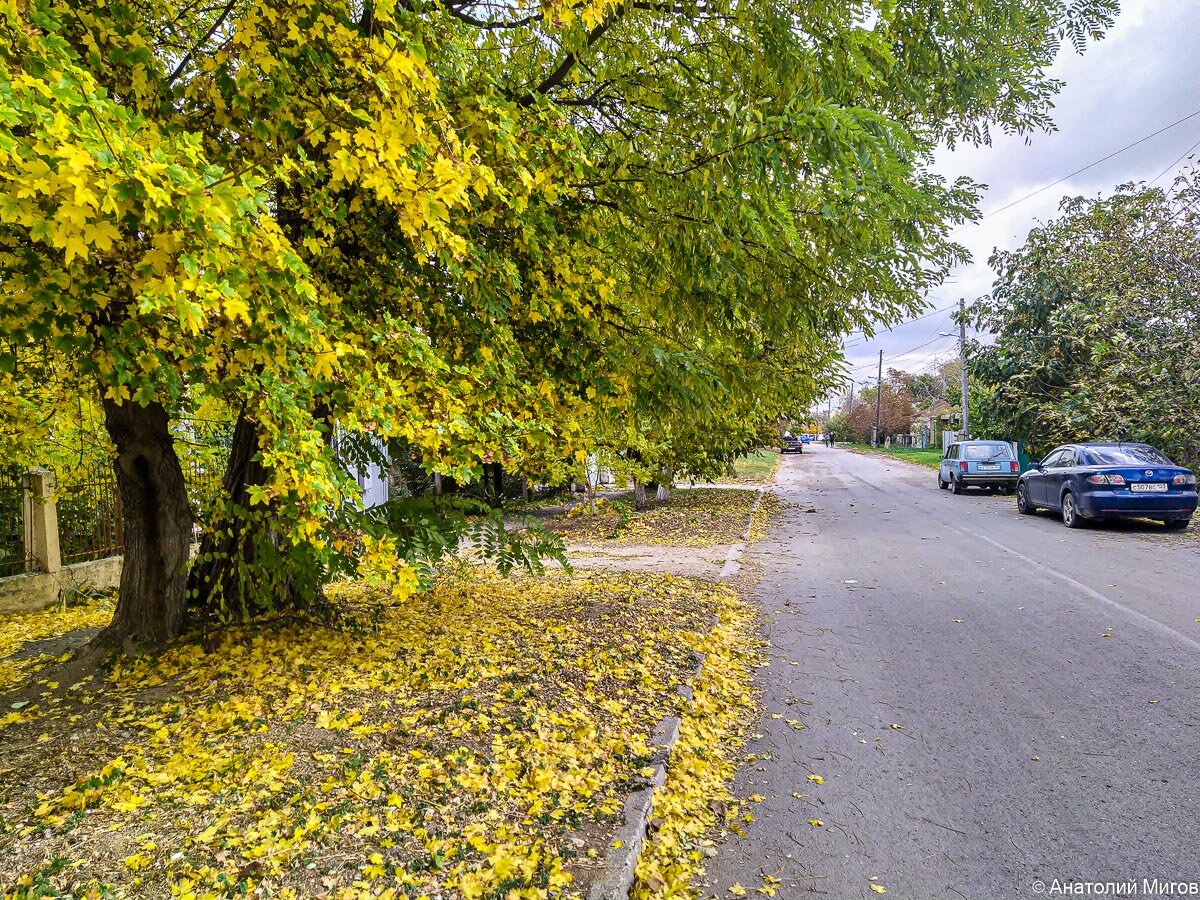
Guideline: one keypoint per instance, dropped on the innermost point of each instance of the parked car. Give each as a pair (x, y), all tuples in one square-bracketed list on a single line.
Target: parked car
[(985, 464), (790, 444), (1109, 481), (806, 438)]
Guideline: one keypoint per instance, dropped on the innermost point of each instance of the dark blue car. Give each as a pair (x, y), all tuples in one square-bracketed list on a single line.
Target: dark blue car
[(1109, 481)]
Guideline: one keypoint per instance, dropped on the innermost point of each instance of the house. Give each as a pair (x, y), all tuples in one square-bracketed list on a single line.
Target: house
[(931, 423)]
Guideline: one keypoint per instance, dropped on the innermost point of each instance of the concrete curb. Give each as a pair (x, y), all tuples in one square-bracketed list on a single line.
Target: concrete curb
[(732, 567), (614, 878)]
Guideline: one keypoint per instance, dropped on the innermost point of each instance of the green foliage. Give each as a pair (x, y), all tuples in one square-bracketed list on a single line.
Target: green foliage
[(496, 234), (1094, 325), (841, 429)]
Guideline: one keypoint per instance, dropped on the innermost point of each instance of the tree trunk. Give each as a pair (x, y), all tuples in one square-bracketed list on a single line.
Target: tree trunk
[(640, 503), (663, 494), (227, 548), (157, 526), (243, 565), (493, 484)]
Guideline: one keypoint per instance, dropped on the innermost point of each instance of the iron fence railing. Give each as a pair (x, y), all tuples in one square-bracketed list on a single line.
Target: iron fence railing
[(16, 541), (204, 485), (89, 516), (86, 511)]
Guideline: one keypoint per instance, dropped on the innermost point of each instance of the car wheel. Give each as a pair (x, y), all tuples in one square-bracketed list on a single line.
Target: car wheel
[(1070, 512), (1178, 524), (1024, 507), (956, 485), (941, 484)]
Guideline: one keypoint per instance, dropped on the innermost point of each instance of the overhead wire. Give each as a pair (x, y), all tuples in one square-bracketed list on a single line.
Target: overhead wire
[(1178, 160), (862, 339), (1078, 171), (895, 356)]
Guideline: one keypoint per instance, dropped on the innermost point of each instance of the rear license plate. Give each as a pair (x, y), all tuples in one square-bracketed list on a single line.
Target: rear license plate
[(1155, 488), (989, 467)]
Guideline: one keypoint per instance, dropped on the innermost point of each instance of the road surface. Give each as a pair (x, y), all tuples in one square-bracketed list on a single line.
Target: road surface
[(994, 702)]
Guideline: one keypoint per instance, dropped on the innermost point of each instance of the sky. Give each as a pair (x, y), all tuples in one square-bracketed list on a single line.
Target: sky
[(1143, 75)]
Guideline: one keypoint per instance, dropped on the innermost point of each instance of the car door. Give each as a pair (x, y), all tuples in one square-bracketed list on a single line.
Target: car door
[(950, 463), (1035, 479), (1056, 477)]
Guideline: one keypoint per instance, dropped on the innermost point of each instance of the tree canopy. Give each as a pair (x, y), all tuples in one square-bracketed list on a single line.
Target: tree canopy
[(494, 232), (1095, 324)]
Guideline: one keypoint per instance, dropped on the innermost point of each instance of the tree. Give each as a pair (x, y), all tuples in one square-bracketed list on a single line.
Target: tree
[(895, 408), (1094, 324), (457, 224)]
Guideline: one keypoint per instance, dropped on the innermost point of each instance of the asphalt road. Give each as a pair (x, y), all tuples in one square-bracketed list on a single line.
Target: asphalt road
[(993, 701)]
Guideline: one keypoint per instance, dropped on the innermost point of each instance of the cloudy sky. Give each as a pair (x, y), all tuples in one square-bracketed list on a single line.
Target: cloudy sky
[(1143, 76)]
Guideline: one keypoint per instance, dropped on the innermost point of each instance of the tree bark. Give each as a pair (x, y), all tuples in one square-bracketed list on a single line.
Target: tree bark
[(227, 548), (640, 503), (243, 562), (157, 526)]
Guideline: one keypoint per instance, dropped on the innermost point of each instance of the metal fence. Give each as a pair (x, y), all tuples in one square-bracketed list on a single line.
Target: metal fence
[(204, 484), (89, 516), (89, 511), (81, 516), (16, 541)]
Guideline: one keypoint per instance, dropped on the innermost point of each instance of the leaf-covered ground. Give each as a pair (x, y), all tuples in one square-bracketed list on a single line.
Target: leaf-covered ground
[(25, 638), (478, 742), (692, 517)]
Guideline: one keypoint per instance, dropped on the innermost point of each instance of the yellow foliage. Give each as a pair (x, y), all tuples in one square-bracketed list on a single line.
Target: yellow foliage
[(452, 749), (18, 629), (692, 517), (696, 795)]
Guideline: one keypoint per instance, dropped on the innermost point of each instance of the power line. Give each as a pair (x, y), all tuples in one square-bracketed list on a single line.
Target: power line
[(1174, 164), (936, 337), (905, 324), (1090, 165)]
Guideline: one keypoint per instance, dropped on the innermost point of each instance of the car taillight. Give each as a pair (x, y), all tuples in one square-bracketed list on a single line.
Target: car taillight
[(962, 467), (1106, 479), (1185, 479), (1014, 466)]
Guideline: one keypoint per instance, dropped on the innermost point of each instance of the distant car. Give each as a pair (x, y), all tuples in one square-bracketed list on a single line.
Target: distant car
[(1109, 481), (790, 444), (985, 464), (806, 438)]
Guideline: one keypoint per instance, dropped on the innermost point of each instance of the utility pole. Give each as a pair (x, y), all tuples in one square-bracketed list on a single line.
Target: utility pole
[(879, 399), (962, 364)]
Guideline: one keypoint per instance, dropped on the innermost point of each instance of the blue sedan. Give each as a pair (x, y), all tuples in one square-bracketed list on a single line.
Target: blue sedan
[(1109, 481)]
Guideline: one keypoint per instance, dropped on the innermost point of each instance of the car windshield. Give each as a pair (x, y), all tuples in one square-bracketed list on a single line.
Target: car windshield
[(987, 451), (1127, 456)]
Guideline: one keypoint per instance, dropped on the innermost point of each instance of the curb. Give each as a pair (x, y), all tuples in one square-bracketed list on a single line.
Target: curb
[(614, 878), (732, 567)]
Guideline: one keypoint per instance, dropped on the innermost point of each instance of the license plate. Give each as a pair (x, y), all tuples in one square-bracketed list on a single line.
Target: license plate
[(1155, 488), (989, 467)]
